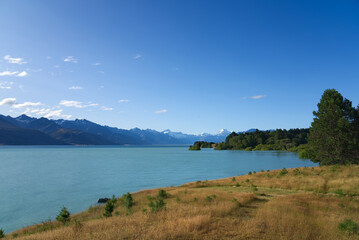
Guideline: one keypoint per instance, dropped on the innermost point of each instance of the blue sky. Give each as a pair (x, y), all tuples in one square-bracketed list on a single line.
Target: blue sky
[(185, 65)]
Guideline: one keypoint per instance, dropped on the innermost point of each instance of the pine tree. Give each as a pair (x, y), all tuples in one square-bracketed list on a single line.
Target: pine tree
[(332, 133)]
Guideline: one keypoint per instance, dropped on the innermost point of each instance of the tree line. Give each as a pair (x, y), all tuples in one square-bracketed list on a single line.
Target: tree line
[(333, 137)]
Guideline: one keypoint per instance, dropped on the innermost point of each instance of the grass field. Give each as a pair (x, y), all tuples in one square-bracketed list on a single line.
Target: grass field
[(302, 203)]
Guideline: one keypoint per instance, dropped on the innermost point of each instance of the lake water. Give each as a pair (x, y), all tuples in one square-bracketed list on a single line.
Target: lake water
[(36, 181)]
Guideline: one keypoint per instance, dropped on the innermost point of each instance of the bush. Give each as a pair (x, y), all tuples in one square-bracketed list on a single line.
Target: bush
[(250, 173), (209, 199), (2, 233), (348, 226), (110, 206), (296, 172), (157, 205), (283, 172), (63, 216), (162, 194), (127, 200)]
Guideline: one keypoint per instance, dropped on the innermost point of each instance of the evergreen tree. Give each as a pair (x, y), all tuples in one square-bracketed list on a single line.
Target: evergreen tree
[(332, 137), (63, 216)]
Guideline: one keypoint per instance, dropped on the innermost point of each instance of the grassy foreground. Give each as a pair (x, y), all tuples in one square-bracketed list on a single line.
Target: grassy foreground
[(303, 203)]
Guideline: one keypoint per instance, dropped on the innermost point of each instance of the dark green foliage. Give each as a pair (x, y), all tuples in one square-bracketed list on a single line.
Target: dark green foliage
[(334, 132), (209, 199), (233, 179), (250, 173), (162, 194), (348, 226), (157, 205), (109, 209), (201, 144), (2, 233), (283, 172), (288, 140), (63, 216), (110, 206), (296, 172), (127, 200)]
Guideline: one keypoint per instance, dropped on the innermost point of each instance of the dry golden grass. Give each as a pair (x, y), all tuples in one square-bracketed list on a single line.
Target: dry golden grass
[(307, 203)]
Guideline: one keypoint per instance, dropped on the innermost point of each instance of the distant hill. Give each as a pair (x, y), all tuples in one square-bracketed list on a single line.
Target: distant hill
[(40, 131)]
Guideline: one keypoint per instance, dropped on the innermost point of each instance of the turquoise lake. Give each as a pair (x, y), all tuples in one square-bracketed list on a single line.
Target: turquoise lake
[(36, 181)]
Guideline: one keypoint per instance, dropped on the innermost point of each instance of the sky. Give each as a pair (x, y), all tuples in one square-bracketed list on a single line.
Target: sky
[(185, 65)]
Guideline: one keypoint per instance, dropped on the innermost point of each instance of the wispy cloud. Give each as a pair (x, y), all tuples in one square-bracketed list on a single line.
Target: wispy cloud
[(102, 72), (16, 73), (161, 111), (47, 113), (76, 104), (137, 56), (12, 102), (75, 88), (123, 100), (71, 59), (255, 97), (106, 108), (10, 59), (96, 64), (22, 74), (6, 85), (8, 73), (27, 104)]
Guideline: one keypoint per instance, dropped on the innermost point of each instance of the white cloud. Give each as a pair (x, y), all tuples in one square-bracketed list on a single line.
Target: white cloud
[(161, 111), (102, 72), (8, 101), (8, 73), (71, 59), (255, 97), (16, 73), (137, 56), (106, 108), (123, 100), (96, 64), (9, 59), (6, 85), (26, 104), (75, 88), (22, 74), (76, 104), (57, 113), (68, 103)]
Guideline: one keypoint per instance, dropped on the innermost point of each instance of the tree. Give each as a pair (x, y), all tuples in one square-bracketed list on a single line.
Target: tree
[(63, 216), (127, 200), (332, 134), (110, 206)]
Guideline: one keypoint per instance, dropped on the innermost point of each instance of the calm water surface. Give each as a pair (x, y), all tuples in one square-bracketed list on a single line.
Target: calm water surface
[(36, 181)]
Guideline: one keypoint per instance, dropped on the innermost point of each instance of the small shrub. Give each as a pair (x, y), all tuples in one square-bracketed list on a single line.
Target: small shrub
[(2, 233), (268, 170), (144, 210), (339, 192), (237, 184), (254, 188), (157, 205), (178, 200), (250, 173), (234, 200), (63, 216), (195, 199), (233, 179), (283, 172), (209, 199), (213, 196), (262, 170), (127, 200), (110, 205), (247, 180), (348, 226), (117, 213), (296, 172), (15, 235), (254, 172), (162, 194)]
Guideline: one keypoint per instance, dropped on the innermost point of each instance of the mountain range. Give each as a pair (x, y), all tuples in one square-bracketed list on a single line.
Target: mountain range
[(25, 130)]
